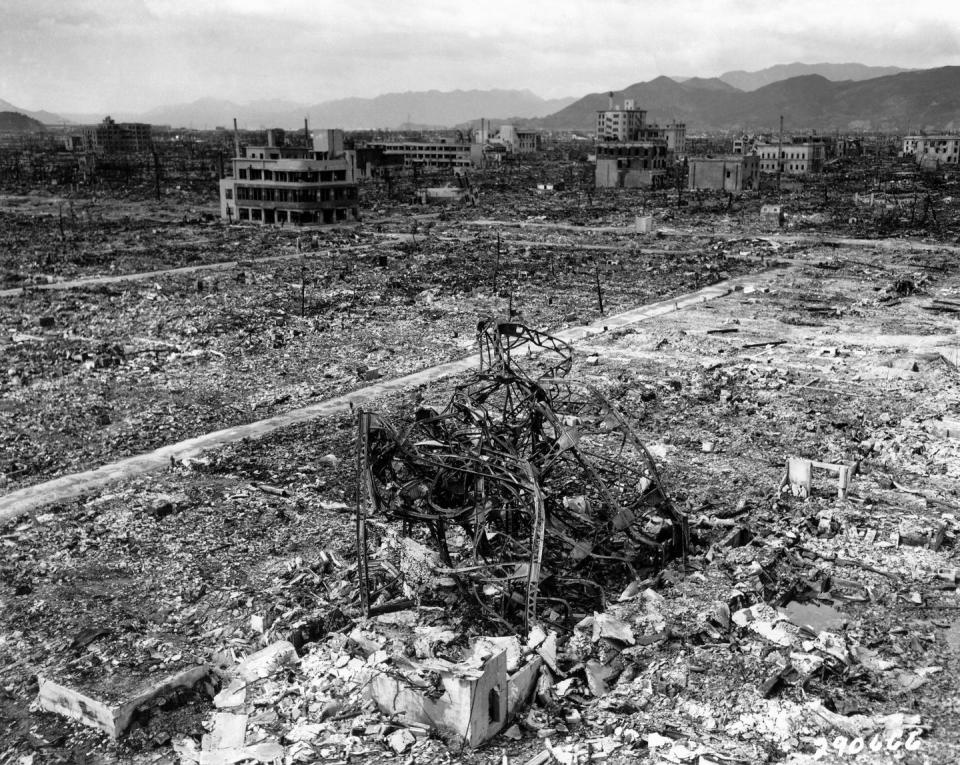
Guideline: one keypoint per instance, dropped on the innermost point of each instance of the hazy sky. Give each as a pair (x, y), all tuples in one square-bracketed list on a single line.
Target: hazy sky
[(130, 55)]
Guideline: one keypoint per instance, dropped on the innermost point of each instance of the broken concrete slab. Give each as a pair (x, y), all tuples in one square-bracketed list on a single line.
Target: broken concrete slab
[(520, 686), (265, 662), (471, 705), (815, 617), (111, 704), (229, 731)]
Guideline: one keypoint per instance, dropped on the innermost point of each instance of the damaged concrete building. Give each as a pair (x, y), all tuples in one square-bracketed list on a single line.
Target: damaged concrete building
[(732, 172), (111, 137), (519, 141), (796, 157), (942, 148), (632, 153), (455, 155), (277, 183)]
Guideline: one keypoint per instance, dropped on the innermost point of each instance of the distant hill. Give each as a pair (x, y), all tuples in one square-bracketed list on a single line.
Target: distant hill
[(45, 118), (835, 72), (821, 96), (14, 122), (664, 99), (702, 83), (433, 108), (922, 99)]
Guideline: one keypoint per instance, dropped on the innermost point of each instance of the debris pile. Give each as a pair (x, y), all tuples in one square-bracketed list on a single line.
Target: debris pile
[(527, 496)]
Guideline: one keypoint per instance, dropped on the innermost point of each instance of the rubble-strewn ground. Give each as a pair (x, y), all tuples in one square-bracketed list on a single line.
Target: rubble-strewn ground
[(108, 370), (838, 354)]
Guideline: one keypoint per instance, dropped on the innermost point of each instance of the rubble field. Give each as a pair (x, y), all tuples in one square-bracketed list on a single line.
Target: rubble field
[(805, 426), (107, 370)]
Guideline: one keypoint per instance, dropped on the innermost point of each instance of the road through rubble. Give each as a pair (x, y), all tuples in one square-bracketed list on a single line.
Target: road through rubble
[(75, 283), (67, 487)]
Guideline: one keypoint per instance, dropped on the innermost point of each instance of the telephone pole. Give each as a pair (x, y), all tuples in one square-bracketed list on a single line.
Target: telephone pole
[(780, 155)]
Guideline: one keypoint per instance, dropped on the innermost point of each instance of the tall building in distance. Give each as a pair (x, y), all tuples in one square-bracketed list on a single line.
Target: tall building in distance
[(291, 184), (111, 137), (632, 153), (519, 141)]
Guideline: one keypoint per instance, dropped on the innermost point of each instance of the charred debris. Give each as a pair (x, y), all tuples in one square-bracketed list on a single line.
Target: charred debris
[(524, 499)]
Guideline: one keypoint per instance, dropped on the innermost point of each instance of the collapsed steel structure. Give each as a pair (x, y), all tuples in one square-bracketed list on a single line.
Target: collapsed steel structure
[(531, 493)]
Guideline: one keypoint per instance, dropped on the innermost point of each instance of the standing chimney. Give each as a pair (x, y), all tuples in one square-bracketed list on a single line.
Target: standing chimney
[(306, 132), (610, 101), (236, 139)]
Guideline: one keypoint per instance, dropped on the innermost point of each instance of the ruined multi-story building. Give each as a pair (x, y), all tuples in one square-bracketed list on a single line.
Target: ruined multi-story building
[(798, 157), (457, 156), (291, 184), (631, 153), (519, 141), (111, 137), (932, 149), (631, 165)]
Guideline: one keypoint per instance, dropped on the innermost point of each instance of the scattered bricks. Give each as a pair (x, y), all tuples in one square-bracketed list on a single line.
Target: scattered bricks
[(108, 707)]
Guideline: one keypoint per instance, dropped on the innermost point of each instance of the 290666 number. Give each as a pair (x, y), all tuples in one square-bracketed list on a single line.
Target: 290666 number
[(851, 747)]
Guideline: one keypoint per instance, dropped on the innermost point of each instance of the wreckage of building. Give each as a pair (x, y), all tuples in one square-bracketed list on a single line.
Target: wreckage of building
[(525, 497), (291, 184), (110, 137), (935, 149), (439, 155)]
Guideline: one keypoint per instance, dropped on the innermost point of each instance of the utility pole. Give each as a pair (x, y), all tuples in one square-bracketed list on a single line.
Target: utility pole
[(496, 268), (780, 155), (596, 274), (156, 172), (303, 278)]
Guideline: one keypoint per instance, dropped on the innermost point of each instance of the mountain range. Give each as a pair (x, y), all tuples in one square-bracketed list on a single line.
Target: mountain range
[(809, 96), (46, 118), (14, 122), (909, 100), (837, 72), (426, 108)]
